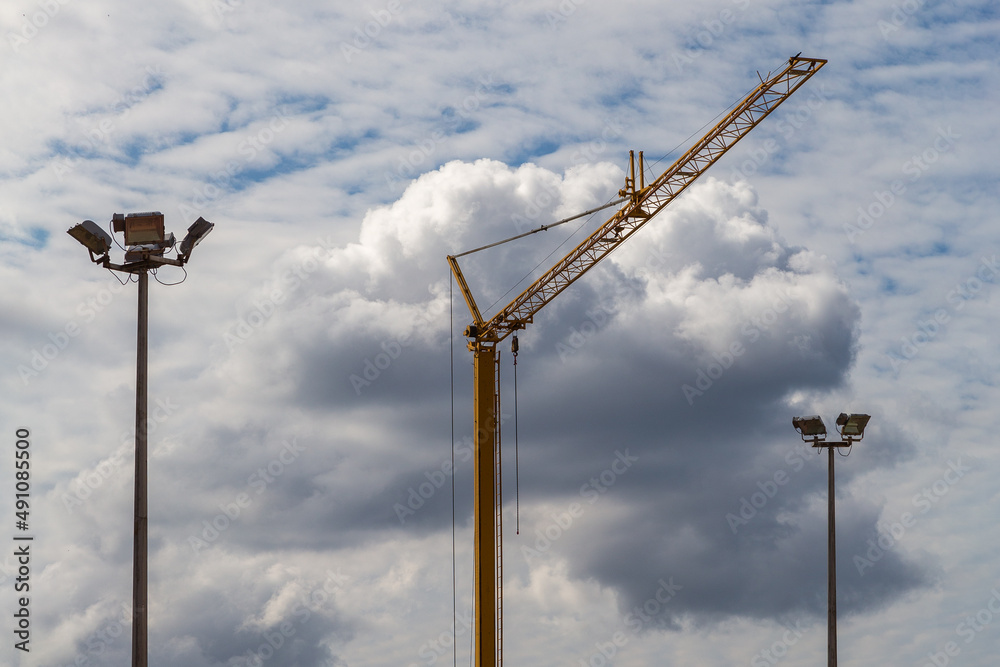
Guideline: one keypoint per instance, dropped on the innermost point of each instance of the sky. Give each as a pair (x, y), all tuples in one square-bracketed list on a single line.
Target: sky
[(310, 390)]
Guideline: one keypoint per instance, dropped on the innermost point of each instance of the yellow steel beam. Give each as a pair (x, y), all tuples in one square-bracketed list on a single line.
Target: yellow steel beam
[(477, 318), (484, 505)]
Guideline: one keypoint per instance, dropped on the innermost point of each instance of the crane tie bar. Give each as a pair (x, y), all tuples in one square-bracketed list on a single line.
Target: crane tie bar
[(541, 229)]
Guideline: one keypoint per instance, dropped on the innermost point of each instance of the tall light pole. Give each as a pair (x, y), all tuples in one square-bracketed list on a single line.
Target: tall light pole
[(813, 430), (139, 542), (146, 244)]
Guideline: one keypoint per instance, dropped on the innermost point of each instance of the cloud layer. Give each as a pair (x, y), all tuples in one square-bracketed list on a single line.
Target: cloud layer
[(840, 258)]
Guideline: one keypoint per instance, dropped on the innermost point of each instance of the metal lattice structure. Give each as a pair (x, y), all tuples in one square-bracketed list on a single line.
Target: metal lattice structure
[(642, 202), (646, 201)]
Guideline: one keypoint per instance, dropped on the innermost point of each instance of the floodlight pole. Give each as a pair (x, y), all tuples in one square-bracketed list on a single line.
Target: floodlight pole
[(140, 655), (852, 429), (145, 252), (140, 542), (831, 570), (831, 548)]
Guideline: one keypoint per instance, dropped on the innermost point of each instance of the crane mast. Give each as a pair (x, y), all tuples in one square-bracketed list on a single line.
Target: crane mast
[(642, 202)]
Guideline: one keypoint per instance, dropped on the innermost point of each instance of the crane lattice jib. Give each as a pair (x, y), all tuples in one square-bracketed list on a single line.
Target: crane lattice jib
[(646, 202)]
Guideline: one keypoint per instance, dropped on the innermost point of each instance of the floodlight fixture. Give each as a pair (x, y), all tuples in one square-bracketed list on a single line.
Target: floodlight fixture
[(143, 251), (852, 427), (198, 230), (140, 228), (146, 242), (809, 427), (95, 239)]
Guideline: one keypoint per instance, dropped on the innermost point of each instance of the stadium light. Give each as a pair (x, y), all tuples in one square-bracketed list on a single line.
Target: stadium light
[(196, 232), (146, 244), (809, 427), (140, 228), (851, 428), (95, 239)]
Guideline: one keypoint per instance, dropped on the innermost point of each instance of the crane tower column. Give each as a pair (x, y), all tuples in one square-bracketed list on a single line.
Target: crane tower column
[(484, 503)]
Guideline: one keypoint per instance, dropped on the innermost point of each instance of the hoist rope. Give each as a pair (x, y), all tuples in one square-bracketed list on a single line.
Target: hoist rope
[(454, 572)]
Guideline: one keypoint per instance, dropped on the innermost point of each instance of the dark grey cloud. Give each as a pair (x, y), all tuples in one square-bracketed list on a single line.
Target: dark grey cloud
[(681, 353)]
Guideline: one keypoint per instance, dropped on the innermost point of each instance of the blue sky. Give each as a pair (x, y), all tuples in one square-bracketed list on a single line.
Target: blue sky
[(847, 247)]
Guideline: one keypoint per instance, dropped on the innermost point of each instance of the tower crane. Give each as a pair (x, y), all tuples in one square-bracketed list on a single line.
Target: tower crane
[(641, 203)]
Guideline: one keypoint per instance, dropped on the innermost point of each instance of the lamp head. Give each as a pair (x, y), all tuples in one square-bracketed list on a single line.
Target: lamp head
[(90, 234), (136, 253), (196, 232), (852, 426), (140, 228), (809, 427)]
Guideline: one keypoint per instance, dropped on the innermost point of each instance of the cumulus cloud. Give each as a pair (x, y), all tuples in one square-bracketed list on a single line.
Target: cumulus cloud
[(654, 396), (682, 351)]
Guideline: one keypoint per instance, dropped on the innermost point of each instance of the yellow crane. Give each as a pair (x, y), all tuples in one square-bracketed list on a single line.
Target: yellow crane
[(641, 202)]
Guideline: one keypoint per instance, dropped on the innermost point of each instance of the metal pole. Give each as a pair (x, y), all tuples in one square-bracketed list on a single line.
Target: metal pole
[(139, 646), (831, 593)]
